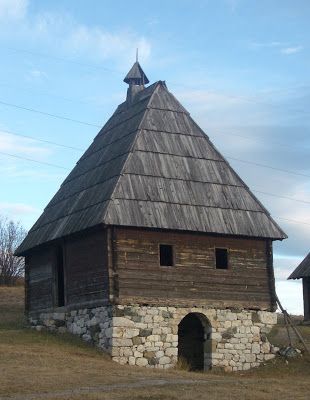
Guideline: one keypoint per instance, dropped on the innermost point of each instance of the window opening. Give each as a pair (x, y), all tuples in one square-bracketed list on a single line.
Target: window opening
[(60, 278), (166, 255), (221, 258)]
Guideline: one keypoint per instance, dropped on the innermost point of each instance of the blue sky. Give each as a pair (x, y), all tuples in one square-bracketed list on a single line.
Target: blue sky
[(240, 67)]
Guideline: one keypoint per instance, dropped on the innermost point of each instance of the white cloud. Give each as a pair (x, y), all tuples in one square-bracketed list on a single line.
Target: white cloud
[(11, 169), (13, 9), (283, 47), (36, 74), (17, 209), (233, 4), (64, 35), (203, 99), (105, 45), (22, 146), (257, 45), (291, 50), (285, 265)]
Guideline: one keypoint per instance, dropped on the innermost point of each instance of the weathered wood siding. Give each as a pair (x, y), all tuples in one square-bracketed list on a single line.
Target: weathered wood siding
[(193, 280), (86, 270), (39, 279)]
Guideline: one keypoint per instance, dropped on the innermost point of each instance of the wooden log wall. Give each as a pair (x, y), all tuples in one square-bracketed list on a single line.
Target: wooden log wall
[(86, 268), (86, 276), (193, 280), (39, 279)]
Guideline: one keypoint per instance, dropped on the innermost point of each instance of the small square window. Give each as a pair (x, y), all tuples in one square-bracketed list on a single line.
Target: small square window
[(166, 255), (221, 258)]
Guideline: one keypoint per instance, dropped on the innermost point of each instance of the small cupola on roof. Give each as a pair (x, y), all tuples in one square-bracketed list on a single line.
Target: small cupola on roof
[(136, 80)]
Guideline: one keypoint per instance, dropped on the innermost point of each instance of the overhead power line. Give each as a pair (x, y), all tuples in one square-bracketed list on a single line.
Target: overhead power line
[(48, 114), (259, 139), (281, 197), (294, 221), (231, 158), (51, 95), (34, 161), (41, 140), (62, 59), (287, 171), (68, 169)]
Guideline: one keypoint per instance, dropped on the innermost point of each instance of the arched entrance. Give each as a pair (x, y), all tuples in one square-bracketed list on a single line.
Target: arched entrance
[(194, 333)]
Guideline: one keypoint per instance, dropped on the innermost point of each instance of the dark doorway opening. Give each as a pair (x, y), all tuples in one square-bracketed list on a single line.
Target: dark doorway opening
[(192, 336), (60, 278)]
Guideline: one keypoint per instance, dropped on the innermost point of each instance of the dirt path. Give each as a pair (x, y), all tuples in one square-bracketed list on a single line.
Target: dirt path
[(122, 386)]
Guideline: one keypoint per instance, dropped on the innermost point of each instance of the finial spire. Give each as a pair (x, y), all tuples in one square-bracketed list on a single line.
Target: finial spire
[(137, 54), (136, 75), (136, 80)]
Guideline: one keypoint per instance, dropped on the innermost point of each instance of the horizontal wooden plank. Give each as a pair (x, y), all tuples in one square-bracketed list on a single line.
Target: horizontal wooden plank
[(178, 276)]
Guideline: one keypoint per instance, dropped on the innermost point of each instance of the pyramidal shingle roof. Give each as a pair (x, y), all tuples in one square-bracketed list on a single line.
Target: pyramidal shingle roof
[(303, 269), (151, 166), (136, 75)]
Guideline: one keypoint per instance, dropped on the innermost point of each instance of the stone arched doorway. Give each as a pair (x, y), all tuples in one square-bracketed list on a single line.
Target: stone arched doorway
[(194, 338)]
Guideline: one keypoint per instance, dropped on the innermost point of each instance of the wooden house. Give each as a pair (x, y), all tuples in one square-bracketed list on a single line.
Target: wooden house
[(153, 247), (303, 272)]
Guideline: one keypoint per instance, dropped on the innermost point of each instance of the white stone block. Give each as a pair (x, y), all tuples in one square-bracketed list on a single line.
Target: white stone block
[(164, 360), (231, 316), (217, 336), (141, 362), (255, 330), (255, 348), (132, 360), (123, 322), (267, 317), (153, 338), (268, 357), (117, 332), (171, 351), (171, 338), (120, 342), (250, 358), (265, 348), (130, 333)]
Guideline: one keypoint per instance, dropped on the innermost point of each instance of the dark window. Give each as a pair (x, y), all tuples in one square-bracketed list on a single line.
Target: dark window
[(221, 258), (60, 279), (166, 255)]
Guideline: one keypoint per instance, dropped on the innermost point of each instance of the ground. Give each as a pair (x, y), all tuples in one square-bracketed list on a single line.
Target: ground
[(37, 365)]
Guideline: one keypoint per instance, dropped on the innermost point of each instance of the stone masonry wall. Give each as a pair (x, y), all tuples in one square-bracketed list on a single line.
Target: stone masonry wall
[(148, 335)]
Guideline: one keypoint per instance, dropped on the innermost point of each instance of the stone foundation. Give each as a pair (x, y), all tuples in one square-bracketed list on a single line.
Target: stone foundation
[(148, 335)]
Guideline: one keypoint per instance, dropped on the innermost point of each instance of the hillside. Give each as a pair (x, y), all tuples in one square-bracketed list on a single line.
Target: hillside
[(44, 366)]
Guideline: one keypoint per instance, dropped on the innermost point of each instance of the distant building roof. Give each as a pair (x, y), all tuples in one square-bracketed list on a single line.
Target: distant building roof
[(303, 269), (151, 166)]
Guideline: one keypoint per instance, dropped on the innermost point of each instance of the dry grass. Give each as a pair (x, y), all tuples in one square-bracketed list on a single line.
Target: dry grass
[(34, 362)]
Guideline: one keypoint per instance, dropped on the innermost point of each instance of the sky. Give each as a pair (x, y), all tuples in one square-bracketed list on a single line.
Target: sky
[(240, 67)]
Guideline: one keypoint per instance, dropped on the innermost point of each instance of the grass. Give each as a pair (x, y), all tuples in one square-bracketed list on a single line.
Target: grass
[(38, 362)]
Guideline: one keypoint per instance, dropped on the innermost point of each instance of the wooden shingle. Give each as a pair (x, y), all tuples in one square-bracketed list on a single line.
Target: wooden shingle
[(152, 166)]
